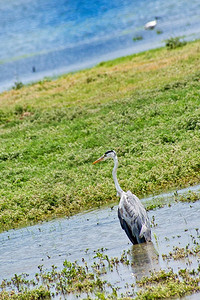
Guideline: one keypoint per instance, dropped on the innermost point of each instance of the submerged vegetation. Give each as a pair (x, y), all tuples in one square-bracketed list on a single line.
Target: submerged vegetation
[(145, 106), (91, 279), (137, 38)]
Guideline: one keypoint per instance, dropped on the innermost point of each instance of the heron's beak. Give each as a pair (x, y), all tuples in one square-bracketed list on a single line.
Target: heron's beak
[(98, 160)]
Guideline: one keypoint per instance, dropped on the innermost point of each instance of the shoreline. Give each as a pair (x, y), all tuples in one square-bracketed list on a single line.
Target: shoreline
[(56, 73), (52, 74)]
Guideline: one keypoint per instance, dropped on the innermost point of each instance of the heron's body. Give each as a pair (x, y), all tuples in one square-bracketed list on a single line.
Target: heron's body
[(133, 218), (132, 214)]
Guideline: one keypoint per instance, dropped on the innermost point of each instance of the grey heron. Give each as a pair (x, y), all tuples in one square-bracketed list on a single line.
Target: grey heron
[(132, 214)]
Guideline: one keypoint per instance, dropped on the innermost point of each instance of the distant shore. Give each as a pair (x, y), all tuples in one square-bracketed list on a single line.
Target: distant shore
[(26, 66), (59, 71)]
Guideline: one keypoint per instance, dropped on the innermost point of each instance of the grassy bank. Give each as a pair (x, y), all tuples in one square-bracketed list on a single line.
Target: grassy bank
[(145, 106)]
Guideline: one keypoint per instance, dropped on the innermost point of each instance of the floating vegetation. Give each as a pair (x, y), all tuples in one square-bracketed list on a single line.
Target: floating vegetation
[(169, 199), (90, 280), (167, 284), (40, 293), (72, 278), (182, 253), (187, 252), (189, 197), (155, 204), (137, 38)]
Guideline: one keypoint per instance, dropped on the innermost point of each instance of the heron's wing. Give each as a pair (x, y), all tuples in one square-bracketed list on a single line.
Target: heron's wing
[(126, 228), (134, 214)]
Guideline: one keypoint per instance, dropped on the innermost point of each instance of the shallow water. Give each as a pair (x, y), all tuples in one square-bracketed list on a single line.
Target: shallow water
[(53, 242), (47, 38)]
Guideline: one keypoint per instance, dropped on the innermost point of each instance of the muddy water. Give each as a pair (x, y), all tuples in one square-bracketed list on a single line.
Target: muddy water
[(22, 250)]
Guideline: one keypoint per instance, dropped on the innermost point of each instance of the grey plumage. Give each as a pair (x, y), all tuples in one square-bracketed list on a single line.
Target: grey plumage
[(133, 218), (132, 214)]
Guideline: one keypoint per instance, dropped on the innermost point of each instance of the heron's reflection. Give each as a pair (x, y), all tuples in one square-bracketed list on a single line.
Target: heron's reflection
[(145, 259)]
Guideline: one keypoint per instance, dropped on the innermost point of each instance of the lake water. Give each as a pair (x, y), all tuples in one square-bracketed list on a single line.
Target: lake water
[(47, 37), (50, 243)]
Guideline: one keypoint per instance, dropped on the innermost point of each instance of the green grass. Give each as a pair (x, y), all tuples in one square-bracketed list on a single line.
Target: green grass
[(145, 106)]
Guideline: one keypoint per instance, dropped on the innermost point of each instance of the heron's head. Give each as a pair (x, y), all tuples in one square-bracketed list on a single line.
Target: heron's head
[(109, 154)]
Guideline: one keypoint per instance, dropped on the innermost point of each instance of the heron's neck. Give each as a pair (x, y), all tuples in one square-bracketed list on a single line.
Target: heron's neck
[(114, 174)]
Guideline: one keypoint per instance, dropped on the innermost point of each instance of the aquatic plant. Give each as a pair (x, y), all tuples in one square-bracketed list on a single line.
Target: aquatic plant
[(18, 85), (188, 197), (174, 42), (90, 277), (164, 284), (39, 293), (137, 38), (87, 279)]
